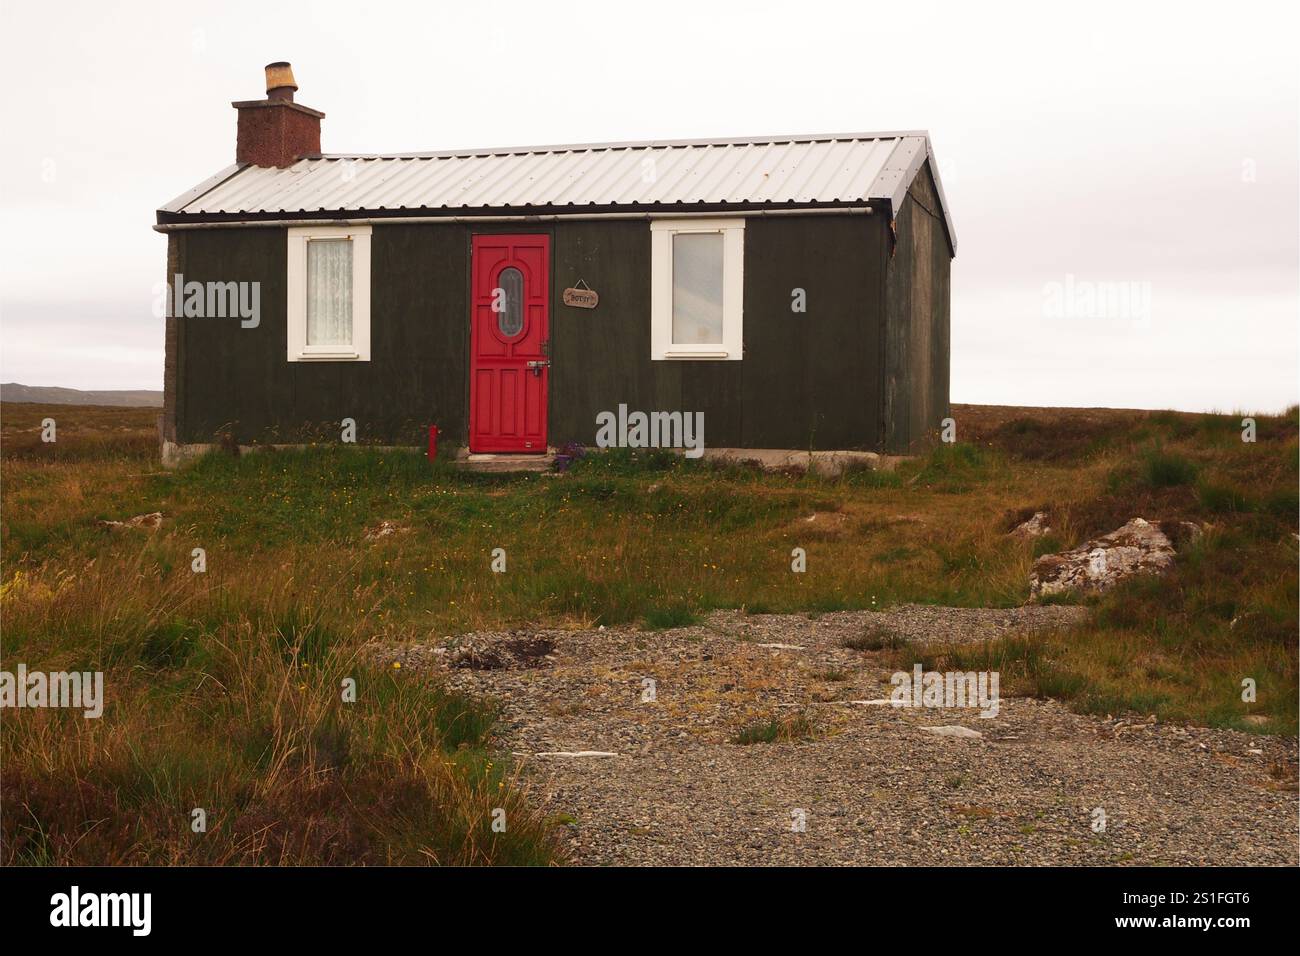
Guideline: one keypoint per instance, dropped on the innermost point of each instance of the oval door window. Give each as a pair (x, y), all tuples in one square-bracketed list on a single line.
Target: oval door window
[(510, 320)]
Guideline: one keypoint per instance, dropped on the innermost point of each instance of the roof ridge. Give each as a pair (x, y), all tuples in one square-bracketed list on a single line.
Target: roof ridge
[(631, 144)]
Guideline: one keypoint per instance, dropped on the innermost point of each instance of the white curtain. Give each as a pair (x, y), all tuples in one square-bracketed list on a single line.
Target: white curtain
[(329, 292), (697, 288)]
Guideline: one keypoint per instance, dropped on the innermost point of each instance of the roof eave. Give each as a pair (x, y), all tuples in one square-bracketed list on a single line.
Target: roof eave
[(167, 217), (943, 200)]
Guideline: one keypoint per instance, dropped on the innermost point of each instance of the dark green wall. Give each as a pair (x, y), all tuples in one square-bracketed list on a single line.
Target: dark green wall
[(917, 341), (807, 380), (804, 380), (239, 379)]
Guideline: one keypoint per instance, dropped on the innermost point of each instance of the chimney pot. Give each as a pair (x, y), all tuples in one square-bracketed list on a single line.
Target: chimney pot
[(280, 84)]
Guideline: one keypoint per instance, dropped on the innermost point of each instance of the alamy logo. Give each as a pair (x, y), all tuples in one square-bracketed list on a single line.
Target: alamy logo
[(923, 688), (58, 689), (1107, 300), (652, 430), (210, 300), (102, 909)]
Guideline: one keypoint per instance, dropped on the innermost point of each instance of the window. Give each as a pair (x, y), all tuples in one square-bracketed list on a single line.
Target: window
[(697, 288), (329, 294), (510, 320)]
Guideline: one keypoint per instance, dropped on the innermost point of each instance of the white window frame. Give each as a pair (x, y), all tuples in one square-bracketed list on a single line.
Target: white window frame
[(662, 347), (299, 350)]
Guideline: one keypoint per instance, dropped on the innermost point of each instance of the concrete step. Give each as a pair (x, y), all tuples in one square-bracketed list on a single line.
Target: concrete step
[(505, 463)]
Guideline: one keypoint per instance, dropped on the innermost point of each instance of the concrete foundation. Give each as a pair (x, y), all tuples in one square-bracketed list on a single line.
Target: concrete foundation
[(829, 463)]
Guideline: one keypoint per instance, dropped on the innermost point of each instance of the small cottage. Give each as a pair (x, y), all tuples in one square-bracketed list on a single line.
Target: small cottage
[(785, 291)]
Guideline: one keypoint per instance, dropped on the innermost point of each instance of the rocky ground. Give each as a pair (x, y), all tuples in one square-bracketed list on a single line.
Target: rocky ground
[(630, 737)]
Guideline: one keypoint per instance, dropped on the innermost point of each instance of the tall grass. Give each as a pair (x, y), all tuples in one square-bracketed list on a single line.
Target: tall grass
[(246, 713)]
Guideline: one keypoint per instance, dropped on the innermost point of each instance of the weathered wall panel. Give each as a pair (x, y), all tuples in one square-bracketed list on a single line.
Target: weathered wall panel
[(811, 378)]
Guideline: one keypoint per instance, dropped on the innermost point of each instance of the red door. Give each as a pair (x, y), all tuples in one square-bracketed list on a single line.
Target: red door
[(509, 364)]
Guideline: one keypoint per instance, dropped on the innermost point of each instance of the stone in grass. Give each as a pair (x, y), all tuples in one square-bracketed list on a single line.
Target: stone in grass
[(151, 522), (1097, 565), (953, 730), (384, 529), (1035, 527)]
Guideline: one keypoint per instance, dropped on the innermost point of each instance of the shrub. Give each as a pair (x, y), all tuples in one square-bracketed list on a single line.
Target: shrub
[(1162, 469), (1222, 498)]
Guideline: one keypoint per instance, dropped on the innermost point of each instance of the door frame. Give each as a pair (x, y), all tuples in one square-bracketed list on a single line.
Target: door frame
[(548, 244)]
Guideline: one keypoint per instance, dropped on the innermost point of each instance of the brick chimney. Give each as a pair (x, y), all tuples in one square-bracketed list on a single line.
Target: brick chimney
[(276, 131)]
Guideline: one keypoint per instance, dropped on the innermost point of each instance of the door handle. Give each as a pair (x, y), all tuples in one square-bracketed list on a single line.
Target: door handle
[(536, 366)]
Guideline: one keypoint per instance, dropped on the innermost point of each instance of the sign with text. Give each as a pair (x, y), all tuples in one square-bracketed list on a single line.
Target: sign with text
[(581, 298)]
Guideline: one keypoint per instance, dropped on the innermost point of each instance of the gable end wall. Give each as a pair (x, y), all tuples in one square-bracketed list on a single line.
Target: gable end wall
[(917, 331)]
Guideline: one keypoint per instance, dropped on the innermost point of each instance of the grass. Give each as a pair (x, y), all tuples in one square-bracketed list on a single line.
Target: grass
[(775, 729), (674, 615), (223, 686), (875, 639), (956, 468), (832, 675)]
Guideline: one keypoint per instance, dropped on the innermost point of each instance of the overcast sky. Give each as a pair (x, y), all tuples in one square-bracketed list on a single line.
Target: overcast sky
[(1124, 180)]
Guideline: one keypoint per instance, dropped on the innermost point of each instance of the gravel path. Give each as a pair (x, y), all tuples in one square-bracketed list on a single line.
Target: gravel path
[(660, 780)]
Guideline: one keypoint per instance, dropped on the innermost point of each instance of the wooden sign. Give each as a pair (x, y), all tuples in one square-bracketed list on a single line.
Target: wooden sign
[(580, 297)]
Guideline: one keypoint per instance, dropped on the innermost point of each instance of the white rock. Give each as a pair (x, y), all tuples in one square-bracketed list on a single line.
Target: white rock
[(576, 753), (953, 731), (1137, 548), (1035, 527)]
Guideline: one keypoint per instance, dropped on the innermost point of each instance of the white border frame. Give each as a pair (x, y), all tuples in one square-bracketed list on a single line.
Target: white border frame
[(662, 347), (298, 349)]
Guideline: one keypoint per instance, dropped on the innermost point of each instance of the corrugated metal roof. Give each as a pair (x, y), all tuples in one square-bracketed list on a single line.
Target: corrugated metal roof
[(844, 168)]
